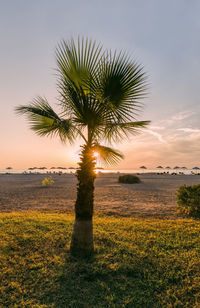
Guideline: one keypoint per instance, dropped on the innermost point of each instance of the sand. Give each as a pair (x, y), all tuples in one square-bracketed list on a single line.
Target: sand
[(154, 197)]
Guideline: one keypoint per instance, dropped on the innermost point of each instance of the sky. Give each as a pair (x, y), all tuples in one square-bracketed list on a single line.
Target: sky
[(161, 35)]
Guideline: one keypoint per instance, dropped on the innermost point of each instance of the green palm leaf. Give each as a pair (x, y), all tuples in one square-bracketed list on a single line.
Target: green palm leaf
[(44, 121), (117, 131), (77, 63), (120, 86)]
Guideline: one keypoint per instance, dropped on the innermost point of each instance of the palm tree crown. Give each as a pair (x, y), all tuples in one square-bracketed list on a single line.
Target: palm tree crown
[(99, 96)]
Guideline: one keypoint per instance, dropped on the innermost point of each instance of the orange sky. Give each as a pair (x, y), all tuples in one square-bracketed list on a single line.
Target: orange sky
[(169, 51)]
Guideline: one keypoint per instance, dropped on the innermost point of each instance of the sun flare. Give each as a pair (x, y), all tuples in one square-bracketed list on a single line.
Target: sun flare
[(95, 154)]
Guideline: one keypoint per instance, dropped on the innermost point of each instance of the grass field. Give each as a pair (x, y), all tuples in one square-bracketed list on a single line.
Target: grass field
[(137, 263)]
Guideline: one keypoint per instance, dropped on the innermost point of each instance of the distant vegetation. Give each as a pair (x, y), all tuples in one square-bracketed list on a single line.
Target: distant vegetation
[(129, 179), (47, 181), (188, 200), (137, 263)]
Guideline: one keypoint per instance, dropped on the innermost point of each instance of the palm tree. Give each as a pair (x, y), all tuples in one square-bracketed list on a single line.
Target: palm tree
[(100, 95)]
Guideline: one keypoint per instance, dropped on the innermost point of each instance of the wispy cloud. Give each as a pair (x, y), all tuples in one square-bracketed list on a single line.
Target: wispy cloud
[(189, 130), (177, 118), (173, 141), (156, 134), (156, 127), (182, 115)]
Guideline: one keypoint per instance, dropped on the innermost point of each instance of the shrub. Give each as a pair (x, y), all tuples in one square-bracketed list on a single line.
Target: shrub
[(188, 200), (129, 179), (47, 181)]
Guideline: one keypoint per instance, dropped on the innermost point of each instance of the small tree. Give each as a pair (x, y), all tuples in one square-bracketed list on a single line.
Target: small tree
[(99, 99)]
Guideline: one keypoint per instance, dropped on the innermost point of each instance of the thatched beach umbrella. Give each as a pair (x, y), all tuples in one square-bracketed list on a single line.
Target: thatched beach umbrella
[(168, 167), (176, 167), (159, 167), (143, 167), (196, 168)]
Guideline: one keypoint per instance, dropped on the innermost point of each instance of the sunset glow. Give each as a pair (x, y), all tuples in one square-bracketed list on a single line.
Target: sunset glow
[(29, 33), (96, 154)]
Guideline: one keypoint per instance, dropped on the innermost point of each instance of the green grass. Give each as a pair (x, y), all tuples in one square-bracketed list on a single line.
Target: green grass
[(137, 263)]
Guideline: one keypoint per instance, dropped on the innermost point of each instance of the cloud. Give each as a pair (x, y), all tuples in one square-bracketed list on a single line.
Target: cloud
[(156, 127), (177, 118), (155, 134), (186, 146), (189, 130), (182, 115), (175, 151), (175, 141)]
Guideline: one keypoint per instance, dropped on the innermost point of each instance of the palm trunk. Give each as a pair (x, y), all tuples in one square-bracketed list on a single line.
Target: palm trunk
[(82, 236)]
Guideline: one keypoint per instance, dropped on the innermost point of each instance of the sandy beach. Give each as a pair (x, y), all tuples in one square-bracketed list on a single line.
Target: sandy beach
[(154, 197)]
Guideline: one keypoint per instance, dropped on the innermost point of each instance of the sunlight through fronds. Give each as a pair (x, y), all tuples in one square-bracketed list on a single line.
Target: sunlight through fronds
[(108, 155), (95, 154)]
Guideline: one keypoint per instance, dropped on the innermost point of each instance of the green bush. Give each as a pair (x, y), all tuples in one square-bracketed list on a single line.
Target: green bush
[(129, 179), (188, 200)]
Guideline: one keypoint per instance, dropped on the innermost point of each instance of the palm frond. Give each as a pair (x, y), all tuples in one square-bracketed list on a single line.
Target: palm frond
[(77, 66), (77, 63), (45, 121), (120, 86), (108, 155), (117, 131), (83, 108)]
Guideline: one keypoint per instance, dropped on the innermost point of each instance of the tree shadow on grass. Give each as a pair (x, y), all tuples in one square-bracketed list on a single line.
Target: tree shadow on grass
[(105, 281), (39, 270)]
